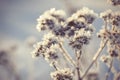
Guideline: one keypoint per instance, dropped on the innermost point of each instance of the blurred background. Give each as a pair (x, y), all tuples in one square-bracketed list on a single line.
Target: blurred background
[(18, 33)]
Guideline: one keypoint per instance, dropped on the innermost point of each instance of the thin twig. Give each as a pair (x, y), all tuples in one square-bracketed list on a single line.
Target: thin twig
[(66, 55), (78, 55), (95, 58)]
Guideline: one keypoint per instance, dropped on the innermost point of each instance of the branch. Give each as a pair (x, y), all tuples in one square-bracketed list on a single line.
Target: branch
[(78, 55), (66, 55), (95, 57)]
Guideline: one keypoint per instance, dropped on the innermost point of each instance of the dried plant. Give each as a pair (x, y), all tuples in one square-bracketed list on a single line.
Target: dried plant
[(77, 31)]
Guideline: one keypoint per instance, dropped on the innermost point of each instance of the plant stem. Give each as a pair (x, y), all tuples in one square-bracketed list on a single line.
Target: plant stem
[(78, 55), (95, 57), (66, 55), (105, 22)]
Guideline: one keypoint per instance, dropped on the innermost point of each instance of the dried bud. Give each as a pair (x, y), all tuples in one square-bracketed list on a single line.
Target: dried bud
[(105, 58), (113, 53)]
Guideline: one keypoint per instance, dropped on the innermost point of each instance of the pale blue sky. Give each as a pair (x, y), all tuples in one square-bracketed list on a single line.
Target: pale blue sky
[(18, 17)]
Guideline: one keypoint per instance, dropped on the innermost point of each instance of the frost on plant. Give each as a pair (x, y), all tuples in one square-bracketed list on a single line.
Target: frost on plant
[(77, 31)]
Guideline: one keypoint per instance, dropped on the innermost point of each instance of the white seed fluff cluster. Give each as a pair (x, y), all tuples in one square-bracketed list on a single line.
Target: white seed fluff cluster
[(62, 74), (82, 37), (111, 31), (106, 15), (80, 25), (116, 19), (52, 54), (81, 19), (52, 20), (47, 47), (87, 14), (113, 40)]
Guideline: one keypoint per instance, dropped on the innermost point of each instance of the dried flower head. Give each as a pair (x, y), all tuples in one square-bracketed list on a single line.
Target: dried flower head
[(107, 15), (76, 23), (73, 25), (113, 52), (87, 14), (39, 48), (114, 38), (52, 54), (46, 22), (116, 19), (112, 18), (58, 14), (81, 38), (103, 33), (43, 46), (50, 39), (62, 74), (50, 20)]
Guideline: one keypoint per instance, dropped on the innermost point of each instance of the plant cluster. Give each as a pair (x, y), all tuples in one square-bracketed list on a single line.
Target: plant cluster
[(77, 31)]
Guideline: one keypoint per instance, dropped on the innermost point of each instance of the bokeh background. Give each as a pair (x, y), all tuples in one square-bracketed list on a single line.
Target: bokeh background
[(18, 33)]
